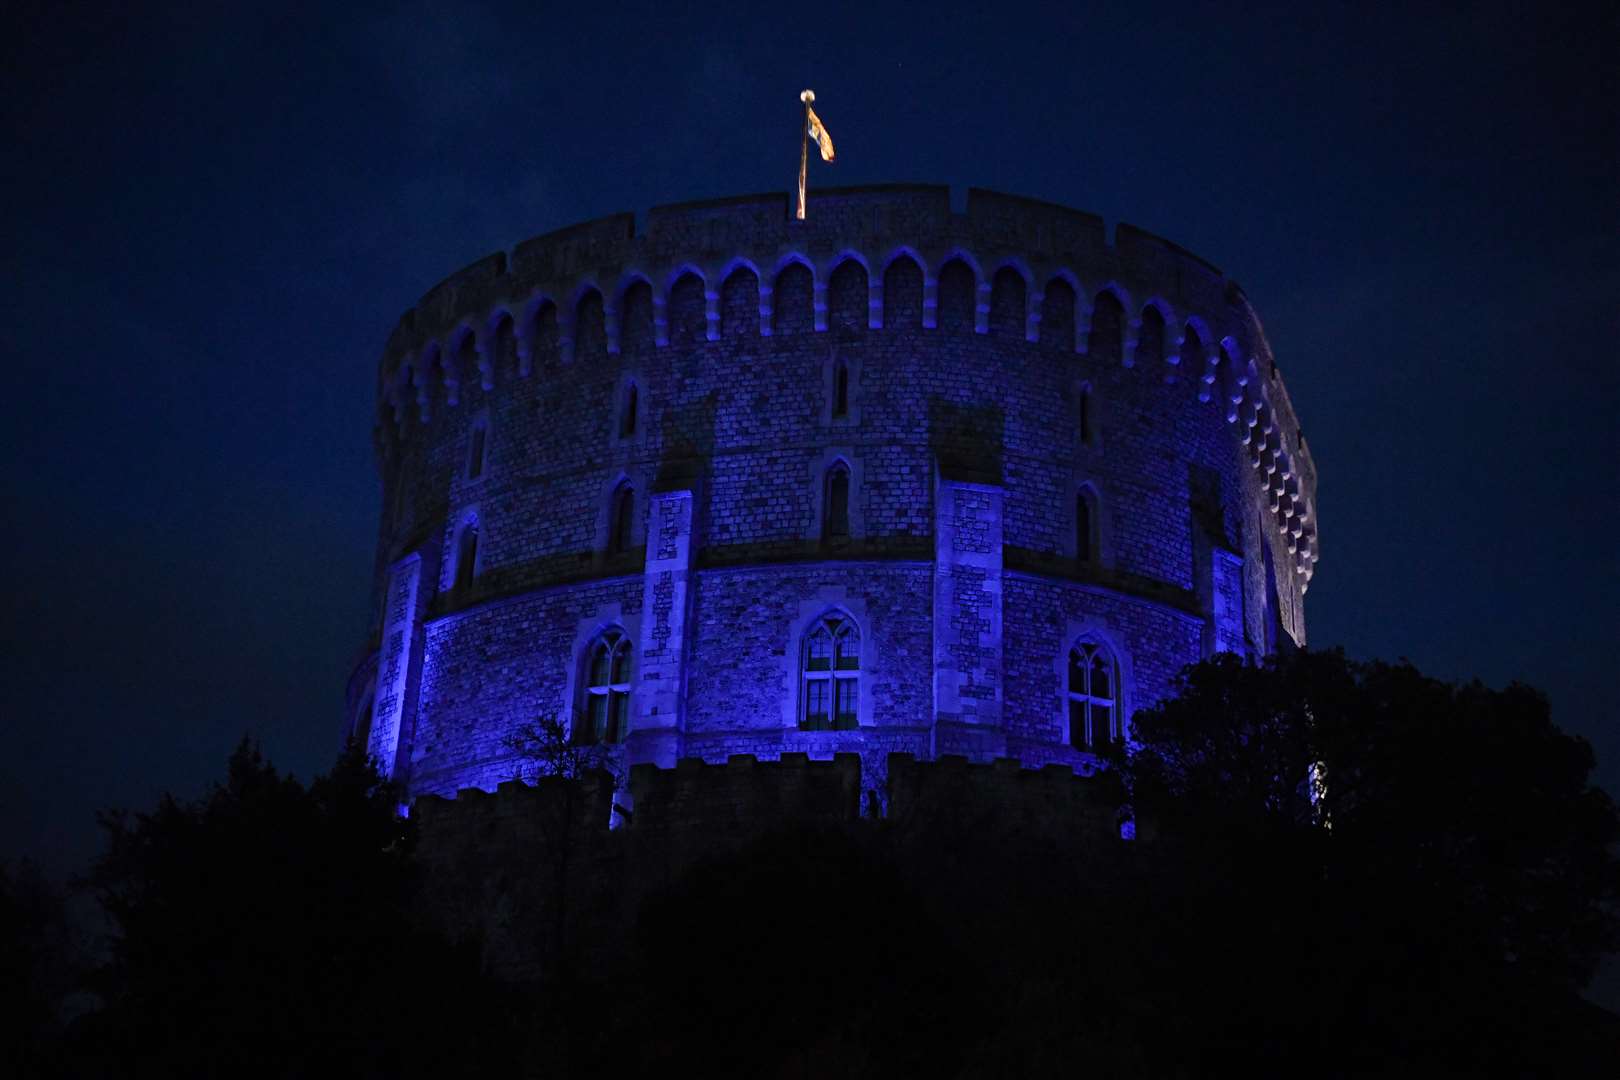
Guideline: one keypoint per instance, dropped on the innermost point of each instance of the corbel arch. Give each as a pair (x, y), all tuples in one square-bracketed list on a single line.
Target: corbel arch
[(711, 312), (460, 357), (621, 291), (1031, 315), (981, 286), (541, 319), (492, 343), (1121, 296), (1168, 353), (1052, 319), (570, 332), (760, 308), (817, 315), (926, 301)]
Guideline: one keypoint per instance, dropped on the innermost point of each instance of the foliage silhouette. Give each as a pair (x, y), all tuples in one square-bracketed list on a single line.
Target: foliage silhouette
[(267, 930), (1350, 869)]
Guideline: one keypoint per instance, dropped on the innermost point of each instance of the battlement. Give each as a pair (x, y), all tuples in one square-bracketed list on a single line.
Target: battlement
[(592, 287)]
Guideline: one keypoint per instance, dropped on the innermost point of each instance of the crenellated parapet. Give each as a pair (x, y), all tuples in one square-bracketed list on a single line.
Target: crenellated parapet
[(1047, 274)]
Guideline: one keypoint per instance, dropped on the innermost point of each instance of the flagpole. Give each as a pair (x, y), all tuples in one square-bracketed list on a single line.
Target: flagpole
[(804, 146)]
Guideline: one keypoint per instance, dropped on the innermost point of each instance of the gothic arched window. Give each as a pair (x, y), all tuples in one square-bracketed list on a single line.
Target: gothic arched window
[(830, 675), (835, 504), (621, 519), (605, 690), (1093, 697)]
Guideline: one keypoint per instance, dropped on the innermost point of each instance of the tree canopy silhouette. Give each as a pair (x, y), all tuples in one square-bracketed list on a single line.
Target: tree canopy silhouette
[(267, 929), (1407, 855)]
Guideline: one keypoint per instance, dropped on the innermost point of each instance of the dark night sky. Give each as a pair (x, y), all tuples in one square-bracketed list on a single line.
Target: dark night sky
[(214, 216)]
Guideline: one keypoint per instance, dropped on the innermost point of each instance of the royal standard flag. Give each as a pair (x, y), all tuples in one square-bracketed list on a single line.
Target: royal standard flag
[(819, 133)]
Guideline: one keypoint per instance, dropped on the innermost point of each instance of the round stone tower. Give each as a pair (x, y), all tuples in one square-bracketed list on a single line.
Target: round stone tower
[(894, 478)]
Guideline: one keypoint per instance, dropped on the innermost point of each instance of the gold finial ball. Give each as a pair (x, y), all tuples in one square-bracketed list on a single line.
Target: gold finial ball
[(808, 96)]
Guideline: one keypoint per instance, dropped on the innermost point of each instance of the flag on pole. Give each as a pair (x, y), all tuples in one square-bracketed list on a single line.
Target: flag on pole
[(812, 129), (819, 133)]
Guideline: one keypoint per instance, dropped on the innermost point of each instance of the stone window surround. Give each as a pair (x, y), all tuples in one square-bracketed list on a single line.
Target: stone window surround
[(1083, 484), (586, 632), (829, 599), (620, 389), (1096, 629), (604, 512), (469, 515), (829, 389), (819, 468)]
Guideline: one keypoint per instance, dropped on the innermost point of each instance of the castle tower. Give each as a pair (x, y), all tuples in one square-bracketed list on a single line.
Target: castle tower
[(894, 478)]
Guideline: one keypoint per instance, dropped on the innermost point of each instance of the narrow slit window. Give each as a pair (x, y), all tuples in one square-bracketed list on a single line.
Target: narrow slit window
[(621, 520), (1082, 530), (467, 556), (837, 503), (840, 408), (475, 453), (627, 415)]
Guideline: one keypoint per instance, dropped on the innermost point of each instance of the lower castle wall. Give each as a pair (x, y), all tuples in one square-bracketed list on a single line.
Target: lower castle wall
[(491, 860), (492, 668), (1151, 642)]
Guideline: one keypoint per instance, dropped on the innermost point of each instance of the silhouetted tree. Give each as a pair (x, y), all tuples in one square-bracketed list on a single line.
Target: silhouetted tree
[(546, 749), (266, 930), (1399, 856), (42, 963)]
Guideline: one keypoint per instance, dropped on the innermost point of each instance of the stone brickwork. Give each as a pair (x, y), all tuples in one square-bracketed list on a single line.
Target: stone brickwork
[(971, 439)]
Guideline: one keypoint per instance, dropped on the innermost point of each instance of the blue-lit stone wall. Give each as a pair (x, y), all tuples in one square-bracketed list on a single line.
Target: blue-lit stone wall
[(695, 363)]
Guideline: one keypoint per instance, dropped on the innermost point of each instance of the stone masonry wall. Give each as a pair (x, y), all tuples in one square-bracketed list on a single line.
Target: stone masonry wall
[(1003, 364)]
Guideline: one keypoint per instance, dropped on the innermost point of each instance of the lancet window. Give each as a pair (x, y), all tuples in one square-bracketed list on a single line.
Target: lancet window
[(621, 519), (835, 505), (466, 556)]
